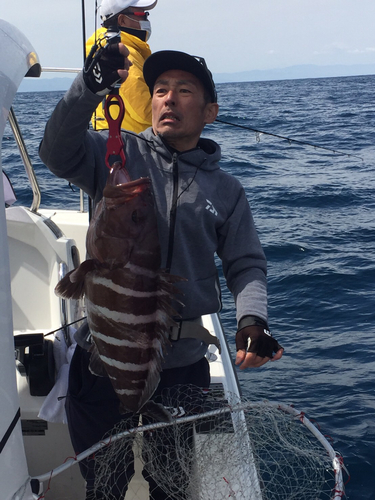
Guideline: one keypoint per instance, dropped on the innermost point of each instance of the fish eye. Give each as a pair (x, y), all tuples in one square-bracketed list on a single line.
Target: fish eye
[(135, 217)]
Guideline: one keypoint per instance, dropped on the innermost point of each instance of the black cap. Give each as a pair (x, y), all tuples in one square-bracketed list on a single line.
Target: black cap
[(165, 60)]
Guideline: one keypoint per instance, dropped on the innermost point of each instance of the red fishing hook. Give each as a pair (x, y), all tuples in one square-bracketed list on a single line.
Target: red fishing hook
[(115, 144)]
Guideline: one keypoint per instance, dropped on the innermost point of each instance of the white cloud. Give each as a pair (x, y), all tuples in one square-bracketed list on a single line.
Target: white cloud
[(367, 50)]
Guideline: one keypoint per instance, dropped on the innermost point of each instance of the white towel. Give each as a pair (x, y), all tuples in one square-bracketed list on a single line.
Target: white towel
[(53, 408)]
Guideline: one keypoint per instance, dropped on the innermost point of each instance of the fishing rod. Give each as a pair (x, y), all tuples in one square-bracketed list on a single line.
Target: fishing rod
[(83, 28), (289, 139)]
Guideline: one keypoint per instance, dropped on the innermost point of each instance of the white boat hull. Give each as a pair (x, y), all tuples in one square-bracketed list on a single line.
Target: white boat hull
[(17, 57)]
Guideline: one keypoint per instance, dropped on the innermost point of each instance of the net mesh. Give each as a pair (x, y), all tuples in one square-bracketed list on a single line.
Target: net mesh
[(236, 449)]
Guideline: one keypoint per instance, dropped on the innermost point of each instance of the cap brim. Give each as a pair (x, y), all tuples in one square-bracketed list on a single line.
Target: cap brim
[(110, 8), (143, 4), (166, 60)]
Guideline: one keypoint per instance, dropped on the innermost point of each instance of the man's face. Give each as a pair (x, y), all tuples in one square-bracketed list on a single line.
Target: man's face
[(179, 110)]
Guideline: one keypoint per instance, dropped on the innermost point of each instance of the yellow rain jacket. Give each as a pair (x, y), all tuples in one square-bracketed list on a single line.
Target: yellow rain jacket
[(133, 91)]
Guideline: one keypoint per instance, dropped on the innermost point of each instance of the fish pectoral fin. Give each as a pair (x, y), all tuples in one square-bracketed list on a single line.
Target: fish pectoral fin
[(156, 411), (96, 365), (84, 268), (71, 286), (68, 290)]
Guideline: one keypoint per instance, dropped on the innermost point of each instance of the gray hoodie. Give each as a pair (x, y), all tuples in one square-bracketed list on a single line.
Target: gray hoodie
[(202, 211)]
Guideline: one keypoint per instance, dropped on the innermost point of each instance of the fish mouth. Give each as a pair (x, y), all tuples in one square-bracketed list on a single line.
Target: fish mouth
[(119, 176), (142, 182), (135, 187), (120, 193)]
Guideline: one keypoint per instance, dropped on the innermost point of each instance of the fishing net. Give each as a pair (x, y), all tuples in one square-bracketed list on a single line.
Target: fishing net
[(218, 449)]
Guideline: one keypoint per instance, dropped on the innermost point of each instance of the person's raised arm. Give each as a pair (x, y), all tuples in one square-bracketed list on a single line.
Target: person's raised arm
[(68, 148)]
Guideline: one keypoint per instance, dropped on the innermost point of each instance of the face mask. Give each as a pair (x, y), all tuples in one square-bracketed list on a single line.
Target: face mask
[(143, 26), (146, 26)]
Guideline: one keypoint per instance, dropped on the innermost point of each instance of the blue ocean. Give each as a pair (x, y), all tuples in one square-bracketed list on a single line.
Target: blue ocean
[(315, 213)]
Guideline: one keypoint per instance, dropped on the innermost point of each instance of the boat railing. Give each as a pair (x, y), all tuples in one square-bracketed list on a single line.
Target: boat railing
[(46, 69), (26, 161), (24, 153)]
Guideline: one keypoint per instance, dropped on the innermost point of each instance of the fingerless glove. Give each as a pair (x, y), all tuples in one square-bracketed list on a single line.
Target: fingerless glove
[(101, 75), (254, 336)]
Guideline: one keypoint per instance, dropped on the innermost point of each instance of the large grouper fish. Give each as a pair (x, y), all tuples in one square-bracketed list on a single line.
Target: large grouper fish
[(128, 298)]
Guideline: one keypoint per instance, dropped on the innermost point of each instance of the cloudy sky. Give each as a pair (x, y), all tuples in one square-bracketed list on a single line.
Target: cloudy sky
[(240, 35)]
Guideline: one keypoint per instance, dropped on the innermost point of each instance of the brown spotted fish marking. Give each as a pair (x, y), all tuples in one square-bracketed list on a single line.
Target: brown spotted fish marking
[(128, 297)]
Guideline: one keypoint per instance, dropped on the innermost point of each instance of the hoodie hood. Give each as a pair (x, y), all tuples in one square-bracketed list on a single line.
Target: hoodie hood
[(206, 155)]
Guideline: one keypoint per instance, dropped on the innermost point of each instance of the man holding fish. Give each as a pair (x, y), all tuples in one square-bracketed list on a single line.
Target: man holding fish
[(144, 299)]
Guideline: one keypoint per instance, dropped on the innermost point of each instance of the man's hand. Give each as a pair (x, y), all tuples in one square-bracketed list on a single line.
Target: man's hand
[(111, 68), (255, 347)]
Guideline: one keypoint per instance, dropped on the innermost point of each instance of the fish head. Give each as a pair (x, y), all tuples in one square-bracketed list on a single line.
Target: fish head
[(124, 227)]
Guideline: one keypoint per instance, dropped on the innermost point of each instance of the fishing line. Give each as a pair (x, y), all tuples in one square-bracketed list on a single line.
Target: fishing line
[(95, 41), (65, 326), (289, 139), (259, 132), (189, 184)]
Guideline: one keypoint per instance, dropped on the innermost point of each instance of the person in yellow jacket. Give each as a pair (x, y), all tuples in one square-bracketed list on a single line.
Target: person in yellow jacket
[(135, 28)]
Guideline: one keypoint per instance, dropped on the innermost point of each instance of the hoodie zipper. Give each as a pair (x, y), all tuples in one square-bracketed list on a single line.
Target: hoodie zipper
[(173, 213)]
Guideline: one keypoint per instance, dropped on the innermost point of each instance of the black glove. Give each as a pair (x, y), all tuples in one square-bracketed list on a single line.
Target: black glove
[(100, 72), (257, 339)]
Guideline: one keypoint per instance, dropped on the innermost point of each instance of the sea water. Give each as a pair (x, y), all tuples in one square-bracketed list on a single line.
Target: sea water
[(315, 214)]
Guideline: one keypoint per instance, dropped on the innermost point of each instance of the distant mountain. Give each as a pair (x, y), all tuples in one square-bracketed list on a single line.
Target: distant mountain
[(296, 72), (289, 73)]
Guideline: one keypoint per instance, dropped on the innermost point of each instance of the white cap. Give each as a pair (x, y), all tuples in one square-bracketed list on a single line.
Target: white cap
[(110, 8)]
